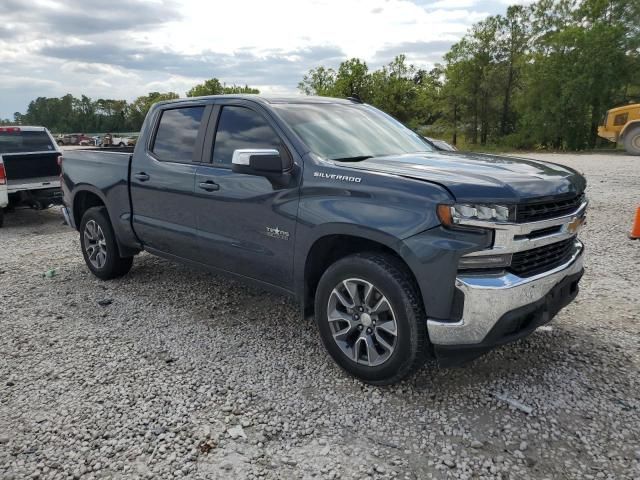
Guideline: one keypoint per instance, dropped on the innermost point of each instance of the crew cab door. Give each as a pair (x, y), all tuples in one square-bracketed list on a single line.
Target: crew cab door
[(162, 181), (246, 223)]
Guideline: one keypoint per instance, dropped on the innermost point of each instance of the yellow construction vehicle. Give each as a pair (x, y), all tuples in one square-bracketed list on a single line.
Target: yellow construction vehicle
[(622, 125)]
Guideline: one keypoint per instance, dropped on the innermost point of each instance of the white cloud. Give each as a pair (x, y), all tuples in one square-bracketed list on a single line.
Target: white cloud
[(453, 4), (53, 47)]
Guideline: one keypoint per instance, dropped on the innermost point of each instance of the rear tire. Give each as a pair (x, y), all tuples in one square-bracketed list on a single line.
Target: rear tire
[(632, 141), (380, 345), (1, 216), (99, 247)]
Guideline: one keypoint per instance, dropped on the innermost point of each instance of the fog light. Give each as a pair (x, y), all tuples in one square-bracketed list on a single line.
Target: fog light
[(485, 261)]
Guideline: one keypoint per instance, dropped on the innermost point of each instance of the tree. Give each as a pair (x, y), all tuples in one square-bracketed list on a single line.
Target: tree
[(352, 79), (141, 105), (319, 81), (214, 87)]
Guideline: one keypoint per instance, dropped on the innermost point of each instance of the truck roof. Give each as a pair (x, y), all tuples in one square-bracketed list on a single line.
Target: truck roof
[(623, 108), (270, 99)]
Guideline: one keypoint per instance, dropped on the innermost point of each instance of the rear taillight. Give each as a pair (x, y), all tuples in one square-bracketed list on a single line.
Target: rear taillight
[(60, 158), (3, 175)]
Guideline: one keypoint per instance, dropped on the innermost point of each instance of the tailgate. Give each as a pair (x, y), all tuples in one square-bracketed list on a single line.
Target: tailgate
[(23, 167)]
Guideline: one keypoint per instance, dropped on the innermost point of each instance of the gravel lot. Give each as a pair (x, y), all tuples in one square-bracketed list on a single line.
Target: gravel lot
[(174, 373)]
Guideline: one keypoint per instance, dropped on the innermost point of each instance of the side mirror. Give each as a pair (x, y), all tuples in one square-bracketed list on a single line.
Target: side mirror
[(265, 161)]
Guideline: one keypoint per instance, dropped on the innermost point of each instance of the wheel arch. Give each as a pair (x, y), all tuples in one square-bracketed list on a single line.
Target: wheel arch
[(87, 197), (628, 127), (331, 247)]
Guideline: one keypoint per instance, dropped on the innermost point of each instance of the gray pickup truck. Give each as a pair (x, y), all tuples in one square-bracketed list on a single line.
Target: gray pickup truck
[(400, 252)]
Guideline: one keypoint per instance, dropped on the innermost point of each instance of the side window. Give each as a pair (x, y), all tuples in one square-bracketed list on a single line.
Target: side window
[(240, 127), (177, 133)]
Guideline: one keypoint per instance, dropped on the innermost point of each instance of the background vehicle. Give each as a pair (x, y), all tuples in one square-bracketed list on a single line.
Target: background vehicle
[(29, 168), (622, 124), (110, 140), (399, 251), (75, 139)]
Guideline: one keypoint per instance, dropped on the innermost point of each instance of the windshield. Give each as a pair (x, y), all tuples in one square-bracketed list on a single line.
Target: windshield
[(350, 131), (18, 141)]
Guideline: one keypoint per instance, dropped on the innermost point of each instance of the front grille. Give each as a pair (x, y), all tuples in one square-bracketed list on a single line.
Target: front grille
[(541, 259), (532, 212)]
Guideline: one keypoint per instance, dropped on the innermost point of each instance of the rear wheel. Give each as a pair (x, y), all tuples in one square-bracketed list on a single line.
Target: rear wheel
[(99, 247), (1, 216), (370, 318), (632, 141)]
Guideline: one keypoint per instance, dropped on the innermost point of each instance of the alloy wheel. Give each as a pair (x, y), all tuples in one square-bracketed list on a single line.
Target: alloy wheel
[(95, 244), (362, 322)]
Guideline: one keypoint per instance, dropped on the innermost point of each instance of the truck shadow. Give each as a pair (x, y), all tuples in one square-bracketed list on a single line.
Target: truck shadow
[(39, 221)]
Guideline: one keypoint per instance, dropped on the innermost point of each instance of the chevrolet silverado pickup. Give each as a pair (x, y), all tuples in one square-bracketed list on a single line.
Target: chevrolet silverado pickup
[(400, 252), (29, 168)]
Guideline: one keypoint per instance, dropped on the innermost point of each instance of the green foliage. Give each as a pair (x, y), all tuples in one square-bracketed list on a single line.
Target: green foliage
[(397, 88), (70, 114), (214, 87), (540, 76), (141, 105)]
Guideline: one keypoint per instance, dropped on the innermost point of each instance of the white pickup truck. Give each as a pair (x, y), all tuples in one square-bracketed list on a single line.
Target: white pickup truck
[(29, 168)]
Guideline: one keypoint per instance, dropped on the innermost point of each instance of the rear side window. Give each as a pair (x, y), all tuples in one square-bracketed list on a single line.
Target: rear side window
[(241, 127), (177, 132), (14, 140)]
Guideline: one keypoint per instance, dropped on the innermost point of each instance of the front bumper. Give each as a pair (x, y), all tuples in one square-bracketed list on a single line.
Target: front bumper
[(491, 301)]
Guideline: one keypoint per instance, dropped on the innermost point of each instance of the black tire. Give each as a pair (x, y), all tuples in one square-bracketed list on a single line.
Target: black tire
[(391, 279), (1, 216), (114, 265), (632, 141)]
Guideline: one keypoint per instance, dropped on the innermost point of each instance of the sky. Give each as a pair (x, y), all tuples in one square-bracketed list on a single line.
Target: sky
[(126, 48)]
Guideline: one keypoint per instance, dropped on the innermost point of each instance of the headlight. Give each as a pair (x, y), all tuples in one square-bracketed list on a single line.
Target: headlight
[(462, 213)]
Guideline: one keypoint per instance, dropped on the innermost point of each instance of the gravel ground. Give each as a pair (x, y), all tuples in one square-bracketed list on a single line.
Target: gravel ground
[(171, 373)]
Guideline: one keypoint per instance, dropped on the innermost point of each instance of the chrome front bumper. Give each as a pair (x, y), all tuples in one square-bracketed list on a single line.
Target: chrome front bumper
[(488, 298)]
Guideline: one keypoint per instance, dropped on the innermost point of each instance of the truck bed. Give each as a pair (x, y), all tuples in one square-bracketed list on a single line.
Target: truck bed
[(107, 170)]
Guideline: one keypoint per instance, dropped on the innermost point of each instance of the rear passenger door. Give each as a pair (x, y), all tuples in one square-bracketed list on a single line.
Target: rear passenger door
[(162, 181), (246, 223)]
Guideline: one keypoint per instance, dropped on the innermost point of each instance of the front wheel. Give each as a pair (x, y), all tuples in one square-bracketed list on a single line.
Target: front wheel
[(371, 319), (99, 247), (632, 141)]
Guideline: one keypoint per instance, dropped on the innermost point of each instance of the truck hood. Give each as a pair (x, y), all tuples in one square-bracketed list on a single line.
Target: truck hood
[(473, 177)]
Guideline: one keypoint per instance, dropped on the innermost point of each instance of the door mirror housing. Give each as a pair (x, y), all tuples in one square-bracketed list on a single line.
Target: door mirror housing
[(253, 161)]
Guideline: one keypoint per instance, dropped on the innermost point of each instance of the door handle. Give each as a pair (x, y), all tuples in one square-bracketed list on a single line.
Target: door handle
[(143, 177), (209, 186)]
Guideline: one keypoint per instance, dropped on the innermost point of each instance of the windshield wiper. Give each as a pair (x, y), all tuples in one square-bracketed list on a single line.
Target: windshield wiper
[(358, 158)]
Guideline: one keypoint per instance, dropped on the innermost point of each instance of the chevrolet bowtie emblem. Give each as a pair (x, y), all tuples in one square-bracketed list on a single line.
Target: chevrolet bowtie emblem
[(574, 225)]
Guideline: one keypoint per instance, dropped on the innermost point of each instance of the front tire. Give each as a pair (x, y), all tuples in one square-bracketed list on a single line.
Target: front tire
[(371, 319), (632, 141), (99, 247)]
